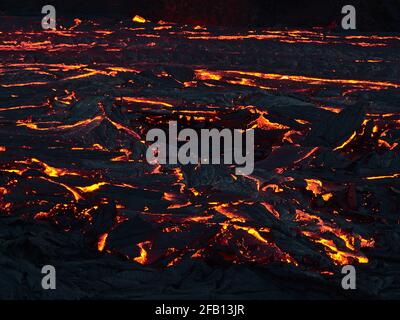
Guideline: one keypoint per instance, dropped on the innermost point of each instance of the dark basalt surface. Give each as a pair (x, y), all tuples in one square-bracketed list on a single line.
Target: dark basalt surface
[(372, 15), (75, 108)]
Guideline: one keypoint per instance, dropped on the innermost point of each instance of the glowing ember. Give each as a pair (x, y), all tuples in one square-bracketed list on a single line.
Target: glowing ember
[(139, 19), (315, 186), (102, 242), (143, 246)]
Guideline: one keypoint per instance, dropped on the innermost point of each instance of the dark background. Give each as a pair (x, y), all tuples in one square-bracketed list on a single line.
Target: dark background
[(373, 15)]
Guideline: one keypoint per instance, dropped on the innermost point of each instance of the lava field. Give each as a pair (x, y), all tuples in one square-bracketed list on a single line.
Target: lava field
[(77, 192)]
